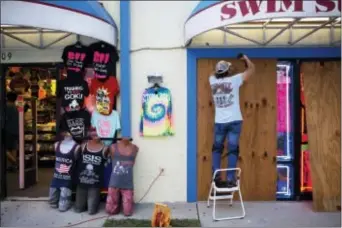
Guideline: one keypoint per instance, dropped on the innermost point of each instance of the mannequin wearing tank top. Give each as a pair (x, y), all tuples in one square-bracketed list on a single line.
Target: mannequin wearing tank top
[(90, 175), (61, 184), (123, 154)]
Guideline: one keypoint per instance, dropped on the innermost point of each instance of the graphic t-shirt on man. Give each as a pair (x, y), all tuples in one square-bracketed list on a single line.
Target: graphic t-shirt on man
[(104, 92), (103, 58), (106, 126), (76, 123), (225, 92), (72, 92), (75, 58)]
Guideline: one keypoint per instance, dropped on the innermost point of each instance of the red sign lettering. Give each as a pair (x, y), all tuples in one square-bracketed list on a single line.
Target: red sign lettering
[(228, 11), (325, 6), (253, 7), (271, 6), (298, 5)]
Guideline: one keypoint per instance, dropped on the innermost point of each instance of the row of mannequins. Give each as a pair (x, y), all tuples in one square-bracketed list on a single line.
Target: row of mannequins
[(83, 165)]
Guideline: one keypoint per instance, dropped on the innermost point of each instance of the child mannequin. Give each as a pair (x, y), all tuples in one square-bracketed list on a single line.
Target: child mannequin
[(90, 174), (61, 184), (123, 155)]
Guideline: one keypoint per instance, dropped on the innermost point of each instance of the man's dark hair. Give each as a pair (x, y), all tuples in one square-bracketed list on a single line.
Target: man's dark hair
[(221, 75), (11, 96)]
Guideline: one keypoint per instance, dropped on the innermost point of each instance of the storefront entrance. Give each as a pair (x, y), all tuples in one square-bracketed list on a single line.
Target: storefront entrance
[(259, 143), (37, 130)]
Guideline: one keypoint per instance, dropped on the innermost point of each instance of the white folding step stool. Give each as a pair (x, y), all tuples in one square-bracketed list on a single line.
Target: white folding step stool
[(230, 196)]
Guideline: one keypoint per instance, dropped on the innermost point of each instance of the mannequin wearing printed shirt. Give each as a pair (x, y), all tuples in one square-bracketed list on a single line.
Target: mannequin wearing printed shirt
[(90, 174), (61, 184)]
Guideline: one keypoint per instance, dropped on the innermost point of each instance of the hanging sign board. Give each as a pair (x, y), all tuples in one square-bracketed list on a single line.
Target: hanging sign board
[(155, 79), (223, 13)]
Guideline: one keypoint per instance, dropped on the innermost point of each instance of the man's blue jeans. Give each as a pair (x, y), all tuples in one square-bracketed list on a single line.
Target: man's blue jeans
[(232, 132)]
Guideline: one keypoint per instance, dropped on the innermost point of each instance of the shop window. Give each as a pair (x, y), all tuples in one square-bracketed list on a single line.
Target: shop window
[(284, 112), (285, 146)]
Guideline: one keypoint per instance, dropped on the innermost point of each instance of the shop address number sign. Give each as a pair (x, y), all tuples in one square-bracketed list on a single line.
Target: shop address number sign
[(6, 56)]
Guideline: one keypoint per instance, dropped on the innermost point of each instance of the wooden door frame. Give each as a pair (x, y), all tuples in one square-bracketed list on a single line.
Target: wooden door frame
[(193, 54)]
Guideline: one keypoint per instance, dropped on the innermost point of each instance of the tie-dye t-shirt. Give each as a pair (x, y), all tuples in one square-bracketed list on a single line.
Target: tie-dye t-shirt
[(156, 114)]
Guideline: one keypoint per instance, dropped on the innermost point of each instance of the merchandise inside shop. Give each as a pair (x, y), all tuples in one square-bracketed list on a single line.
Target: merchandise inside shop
[(37, 85)]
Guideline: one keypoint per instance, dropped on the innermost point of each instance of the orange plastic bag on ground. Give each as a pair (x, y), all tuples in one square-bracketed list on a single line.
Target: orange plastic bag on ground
[(161, 216)]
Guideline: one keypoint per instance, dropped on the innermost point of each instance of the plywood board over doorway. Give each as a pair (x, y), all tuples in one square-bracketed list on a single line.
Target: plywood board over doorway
[(322, 89), (258, 138)]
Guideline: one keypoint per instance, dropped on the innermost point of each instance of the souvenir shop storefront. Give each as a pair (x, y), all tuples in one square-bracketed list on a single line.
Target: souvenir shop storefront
[(290, 107), (290, 140), (57, 67)]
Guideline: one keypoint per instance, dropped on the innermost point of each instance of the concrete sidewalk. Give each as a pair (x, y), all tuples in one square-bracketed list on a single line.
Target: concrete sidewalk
[(258, 214), (39, 214), (269, 214)]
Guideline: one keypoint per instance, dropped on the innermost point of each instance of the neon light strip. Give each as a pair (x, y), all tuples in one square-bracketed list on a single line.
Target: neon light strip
[(303, 188), (302, 170), (288, 80), (288, 112), (288, 179)]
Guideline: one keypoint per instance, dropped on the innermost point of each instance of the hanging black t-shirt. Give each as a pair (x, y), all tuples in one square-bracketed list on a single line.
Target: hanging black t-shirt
[(75, 58), (103, 58), (76, 123), (72, 92)]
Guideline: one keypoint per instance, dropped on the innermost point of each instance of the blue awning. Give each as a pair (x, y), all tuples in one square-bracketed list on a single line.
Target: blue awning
[(202, 5), (87, 18)]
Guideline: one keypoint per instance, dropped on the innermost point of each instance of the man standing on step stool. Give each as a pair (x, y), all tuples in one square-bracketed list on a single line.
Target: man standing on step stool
[(225, 85)]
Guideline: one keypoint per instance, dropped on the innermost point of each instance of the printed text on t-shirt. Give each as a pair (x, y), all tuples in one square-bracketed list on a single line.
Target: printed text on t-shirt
[(75, 61), (100, 62), (73, 94)]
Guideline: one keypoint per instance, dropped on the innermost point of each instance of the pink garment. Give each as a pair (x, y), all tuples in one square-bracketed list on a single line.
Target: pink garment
[(115, 197)]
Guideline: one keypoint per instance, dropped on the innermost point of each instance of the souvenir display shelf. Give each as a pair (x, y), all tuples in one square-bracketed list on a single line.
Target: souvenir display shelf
[(46, 132), (40, 127)]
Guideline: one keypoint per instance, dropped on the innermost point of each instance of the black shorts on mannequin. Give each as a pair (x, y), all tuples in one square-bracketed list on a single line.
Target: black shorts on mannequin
[(87, 198)]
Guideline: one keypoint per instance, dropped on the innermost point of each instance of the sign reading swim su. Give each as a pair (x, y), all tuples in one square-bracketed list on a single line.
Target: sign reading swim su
[(224, 13), (275, 8)]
